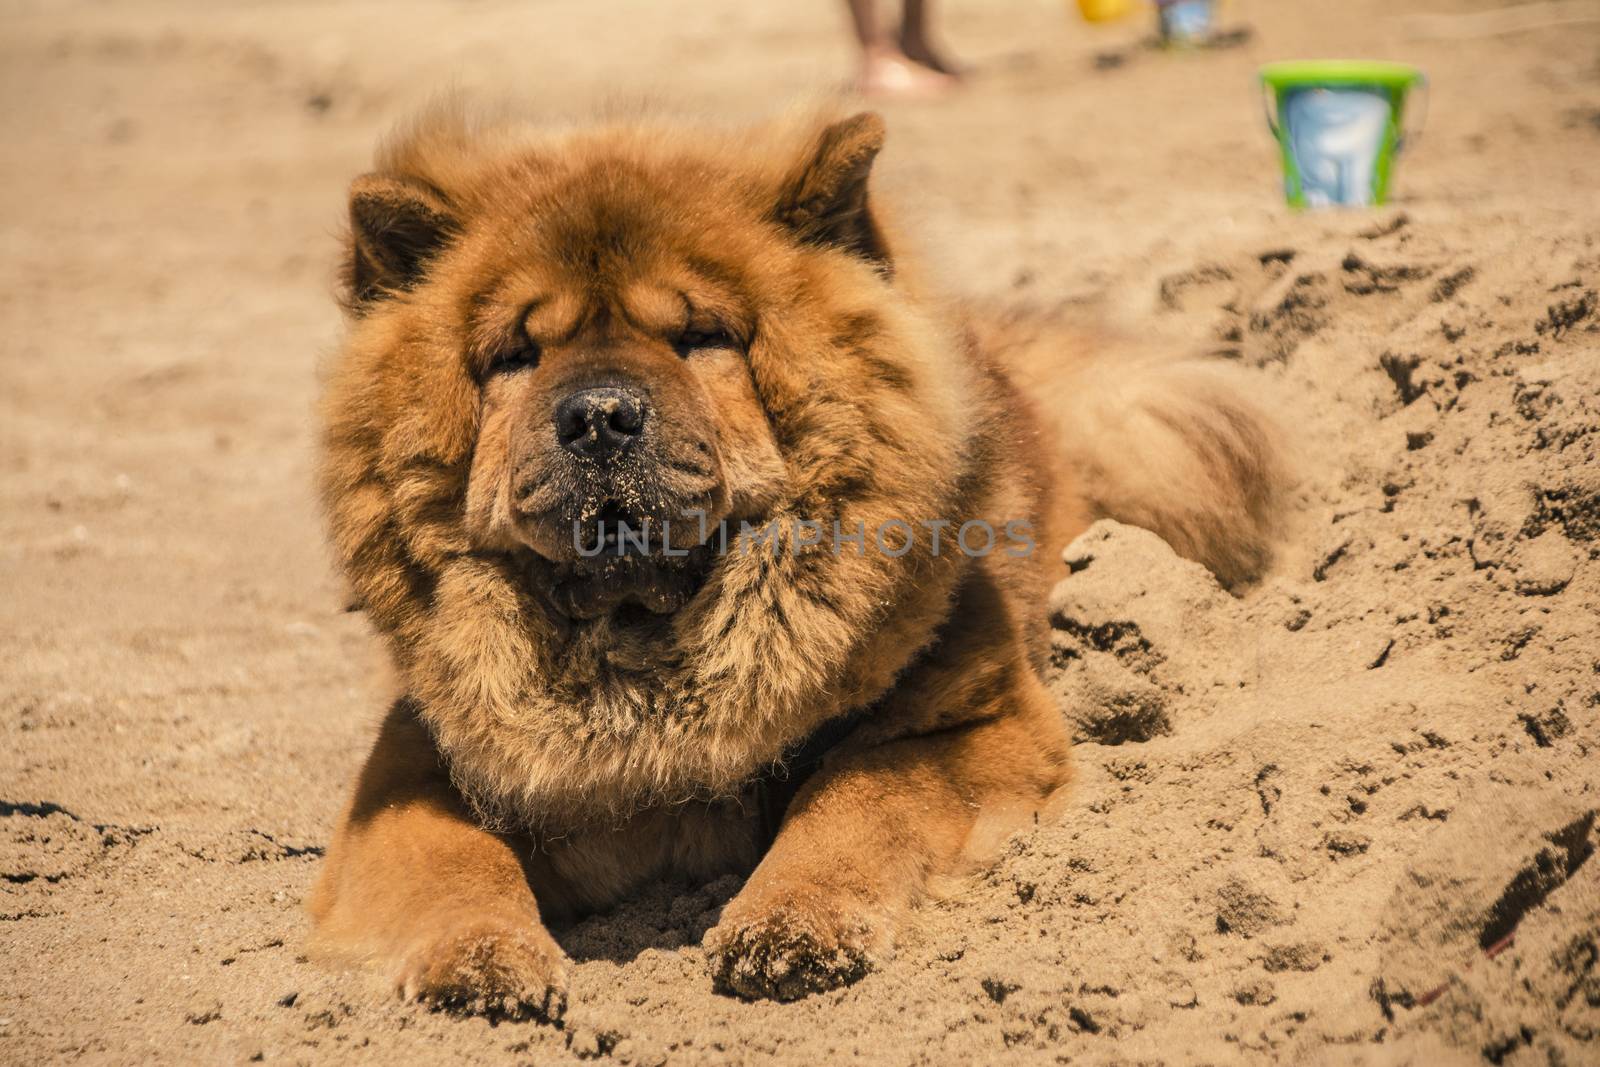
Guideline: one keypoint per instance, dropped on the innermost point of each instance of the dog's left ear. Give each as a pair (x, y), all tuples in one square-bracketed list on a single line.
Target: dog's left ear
[(825, 201)]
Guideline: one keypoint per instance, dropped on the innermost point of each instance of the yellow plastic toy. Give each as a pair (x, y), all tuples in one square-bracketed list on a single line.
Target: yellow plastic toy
[(1104, 10)]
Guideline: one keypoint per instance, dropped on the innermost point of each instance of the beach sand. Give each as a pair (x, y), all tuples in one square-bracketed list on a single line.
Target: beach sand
[(1347, 817)]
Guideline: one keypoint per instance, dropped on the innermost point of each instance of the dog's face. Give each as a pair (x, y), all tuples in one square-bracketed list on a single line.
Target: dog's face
[(607, 315), (620, 423)]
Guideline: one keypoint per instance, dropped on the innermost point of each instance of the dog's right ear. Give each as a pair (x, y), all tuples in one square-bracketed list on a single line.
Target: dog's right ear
[(396, 226)]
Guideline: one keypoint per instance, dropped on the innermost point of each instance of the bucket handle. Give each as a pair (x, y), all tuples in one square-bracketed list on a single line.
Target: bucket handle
[(1269, 104), (1411, 131)]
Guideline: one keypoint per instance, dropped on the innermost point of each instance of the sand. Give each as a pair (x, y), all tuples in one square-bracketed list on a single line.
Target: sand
[(1348, 817)]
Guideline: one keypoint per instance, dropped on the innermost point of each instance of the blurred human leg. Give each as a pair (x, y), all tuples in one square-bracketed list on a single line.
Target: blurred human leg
[(886, 68), (917, 45)]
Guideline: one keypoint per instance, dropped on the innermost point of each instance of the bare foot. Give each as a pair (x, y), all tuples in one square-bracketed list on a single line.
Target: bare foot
[(919, 50), (889, 73)]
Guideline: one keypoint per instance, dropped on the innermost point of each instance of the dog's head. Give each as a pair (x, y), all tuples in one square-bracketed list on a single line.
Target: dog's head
[(573, 361), (607, 303)]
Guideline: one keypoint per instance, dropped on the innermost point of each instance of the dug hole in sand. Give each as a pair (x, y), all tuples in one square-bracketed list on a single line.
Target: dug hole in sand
[(1346, 816)]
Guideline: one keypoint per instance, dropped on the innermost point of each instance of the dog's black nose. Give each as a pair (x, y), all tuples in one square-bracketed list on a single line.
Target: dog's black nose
[(598, 424)]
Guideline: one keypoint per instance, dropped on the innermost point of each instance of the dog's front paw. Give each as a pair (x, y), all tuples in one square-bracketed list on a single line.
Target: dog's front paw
[(499, 970), (793, 949)]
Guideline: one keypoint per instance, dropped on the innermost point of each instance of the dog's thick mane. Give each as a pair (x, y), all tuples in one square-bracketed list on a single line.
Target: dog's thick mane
[(880, 412), (546, 724)]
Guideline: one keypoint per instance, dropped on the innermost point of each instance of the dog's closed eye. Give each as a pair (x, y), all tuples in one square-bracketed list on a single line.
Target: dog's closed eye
[(708, 336)]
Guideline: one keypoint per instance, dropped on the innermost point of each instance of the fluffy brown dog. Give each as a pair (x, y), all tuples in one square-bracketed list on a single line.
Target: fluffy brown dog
[(820, 663)]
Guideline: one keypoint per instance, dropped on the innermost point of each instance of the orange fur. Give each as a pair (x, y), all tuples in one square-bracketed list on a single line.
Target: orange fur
[(744, 283)]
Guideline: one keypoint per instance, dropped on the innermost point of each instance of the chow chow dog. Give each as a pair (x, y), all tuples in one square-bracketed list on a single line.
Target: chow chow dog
[(637, 453)]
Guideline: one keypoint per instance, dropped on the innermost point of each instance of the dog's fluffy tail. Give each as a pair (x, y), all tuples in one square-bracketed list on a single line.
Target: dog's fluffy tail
[(1181, 448), (1184, 447)]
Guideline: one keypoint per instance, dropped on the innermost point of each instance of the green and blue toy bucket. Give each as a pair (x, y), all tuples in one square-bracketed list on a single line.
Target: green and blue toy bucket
[(1340, 125)]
